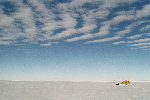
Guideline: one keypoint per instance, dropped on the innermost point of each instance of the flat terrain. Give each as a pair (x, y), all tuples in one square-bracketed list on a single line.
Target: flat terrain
[(18, 90)]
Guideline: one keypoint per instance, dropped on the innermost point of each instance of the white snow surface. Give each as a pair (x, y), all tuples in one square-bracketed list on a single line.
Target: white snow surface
[(36, 90)]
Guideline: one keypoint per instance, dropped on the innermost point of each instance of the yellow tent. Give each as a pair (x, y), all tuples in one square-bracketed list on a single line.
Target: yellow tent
[(125, 82)]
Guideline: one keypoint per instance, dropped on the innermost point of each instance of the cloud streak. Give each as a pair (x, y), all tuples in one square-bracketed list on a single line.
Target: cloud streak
[(105, 40)]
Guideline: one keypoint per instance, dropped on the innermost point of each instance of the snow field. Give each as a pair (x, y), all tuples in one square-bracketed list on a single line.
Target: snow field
[(18, 90)]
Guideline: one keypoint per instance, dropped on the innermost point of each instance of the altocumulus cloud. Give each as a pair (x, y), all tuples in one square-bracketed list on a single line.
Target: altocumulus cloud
[(49, 22)]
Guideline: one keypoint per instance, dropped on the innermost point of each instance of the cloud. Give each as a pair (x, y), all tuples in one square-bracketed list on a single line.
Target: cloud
[(4, 42), (84, 30), (40, 21), (129, 28), (68, 21), (141, 44), (5, 20), (145, 47), (144, 12), (87, 28), (24, 18), (114, 3), (147, 27), (24, 23), (130, 15), (126, 13), (142, 40), (147, 34), (123, 32), (48, 44), (120, 42), (77, 3), (89, 24), (104, 30), (135, 40), (44, 16), (105, 39), (135, 36), (83, 37), (121, 18), (99, 13), (64, 34)]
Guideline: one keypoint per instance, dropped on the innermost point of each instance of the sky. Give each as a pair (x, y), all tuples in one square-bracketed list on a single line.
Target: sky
[(74, 40)]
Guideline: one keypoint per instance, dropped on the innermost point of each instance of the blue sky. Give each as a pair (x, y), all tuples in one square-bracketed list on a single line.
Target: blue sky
[(74, 40)]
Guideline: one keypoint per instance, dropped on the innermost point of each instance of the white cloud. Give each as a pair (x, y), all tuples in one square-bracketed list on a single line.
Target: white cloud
[(123, 32), (87, 28), (147, 27), (117, 20), (134, 41), (126, 13), (83, 37), (100, 13), (5, 20), (136, 23), (84, 30), (25, 15), (45, 17), (131, 15), (104, 30), (147, 34), (64, 34), (121, 18), (141, 44), (48, 44), (120, 42), (145, 47), (5, 42), (105, 39), (114, 3), (12, 36), (89, 21), (135, 36), (89, 24), (21, 25), (145, 12), (73, 5), (128, 29), (78, 3), (142, 40), (51, 26), (67, 21)]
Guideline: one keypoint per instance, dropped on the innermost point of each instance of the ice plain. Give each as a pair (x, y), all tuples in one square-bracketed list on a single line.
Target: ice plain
[(49, 90)]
